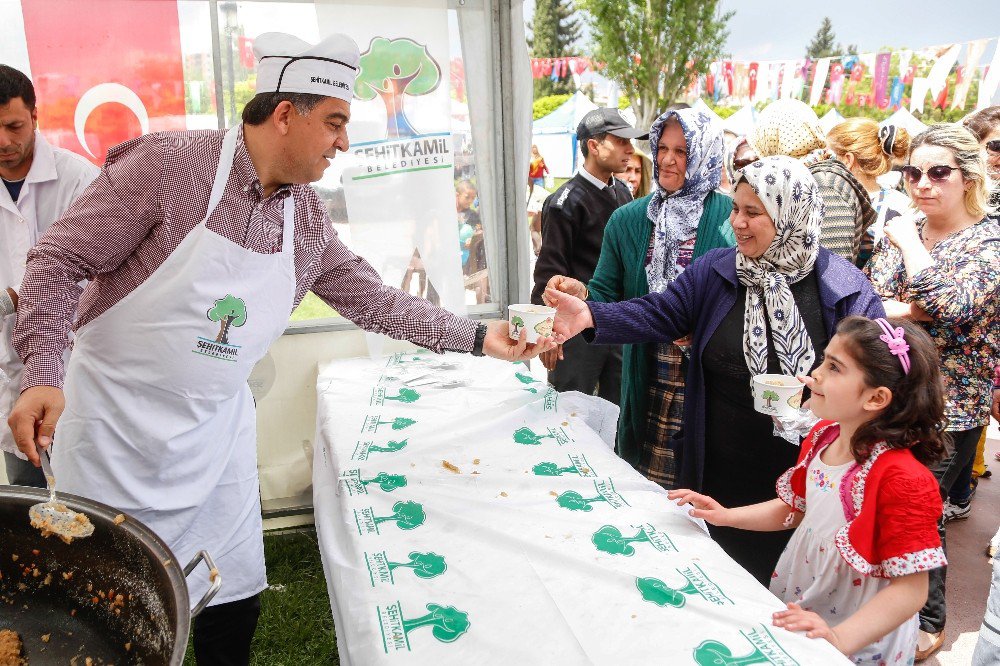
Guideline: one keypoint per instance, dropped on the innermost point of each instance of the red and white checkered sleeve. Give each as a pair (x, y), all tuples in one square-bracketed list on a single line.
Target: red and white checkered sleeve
[(352, 287), (99, 231)]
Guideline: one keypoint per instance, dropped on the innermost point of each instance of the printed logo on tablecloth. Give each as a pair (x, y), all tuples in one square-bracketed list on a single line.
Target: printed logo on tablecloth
[(697, 583), (406, 515), (527, 380), (373, 422), (609, 539), (550, 400), (447, 622), (229, 312), (577, 465), (529, 437), (764, 650), (404, 395), (423, 565), (364, 449), (606, 493), (355, 484)]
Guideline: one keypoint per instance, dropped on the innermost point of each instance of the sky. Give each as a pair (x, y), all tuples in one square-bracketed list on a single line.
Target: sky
[(770, 30)]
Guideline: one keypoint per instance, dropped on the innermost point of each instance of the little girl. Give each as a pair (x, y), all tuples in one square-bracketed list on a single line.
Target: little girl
[(855, 571)]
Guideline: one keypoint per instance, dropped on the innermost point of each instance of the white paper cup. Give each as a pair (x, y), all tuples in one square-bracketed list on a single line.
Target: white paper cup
[(534, 320), (777, 395)]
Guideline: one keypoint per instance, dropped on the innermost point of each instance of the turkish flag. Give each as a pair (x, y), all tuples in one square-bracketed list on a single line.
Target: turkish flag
[(246, 52), (105, 71)]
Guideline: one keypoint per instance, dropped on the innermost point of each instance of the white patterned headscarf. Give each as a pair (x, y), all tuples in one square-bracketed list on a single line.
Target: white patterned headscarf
[(676, 216), (791, 197)]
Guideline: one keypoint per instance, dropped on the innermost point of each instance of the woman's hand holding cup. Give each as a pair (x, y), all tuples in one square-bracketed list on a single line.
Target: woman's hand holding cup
[(572, 314)]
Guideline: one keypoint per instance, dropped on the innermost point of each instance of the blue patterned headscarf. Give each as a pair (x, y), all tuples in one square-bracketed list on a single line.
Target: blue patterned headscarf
[(791, 198), (675, 216)]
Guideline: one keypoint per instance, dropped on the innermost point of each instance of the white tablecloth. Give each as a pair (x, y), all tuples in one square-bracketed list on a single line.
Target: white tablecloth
[(466, 517)]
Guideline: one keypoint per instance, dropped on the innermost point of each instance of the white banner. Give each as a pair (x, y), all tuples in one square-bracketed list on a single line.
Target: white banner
[(938, 76), (819, 80), (398, 176), (988, 86)]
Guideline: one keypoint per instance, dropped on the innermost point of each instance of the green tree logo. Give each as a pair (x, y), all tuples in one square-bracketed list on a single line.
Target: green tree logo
[(424, 565), (228, 311), (552, 469), (392, 69), (714, 653), (406, 395), (387, 482), (406, 515), (390, 447), (609, 539), (768, 396), (449, 623), (574, 501), (398, 423), (525, 379), (528, 436), (656, 591)]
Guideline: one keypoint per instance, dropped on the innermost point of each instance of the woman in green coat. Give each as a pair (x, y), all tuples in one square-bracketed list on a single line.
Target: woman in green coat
[(647, 244)]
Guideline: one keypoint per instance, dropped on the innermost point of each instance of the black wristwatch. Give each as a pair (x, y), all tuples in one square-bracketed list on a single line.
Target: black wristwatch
[(477, 346)]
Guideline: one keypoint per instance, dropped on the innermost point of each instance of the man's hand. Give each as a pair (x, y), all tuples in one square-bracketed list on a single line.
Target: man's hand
[(551, 358), (33, 419), (499, 345), (567, 285), (702, 506), (798, 619), (572, 314)]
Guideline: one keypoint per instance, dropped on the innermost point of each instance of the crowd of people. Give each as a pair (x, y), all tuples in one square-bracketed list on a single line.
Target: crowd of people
[(865, 262)]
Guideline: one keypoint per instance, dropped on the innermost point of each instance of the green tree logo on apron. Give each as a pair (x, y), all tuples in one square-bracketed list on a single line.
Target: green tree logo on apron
[(714, 653), (449, 623), (656, 591), (407, 515), (229, 311), (424, 565)]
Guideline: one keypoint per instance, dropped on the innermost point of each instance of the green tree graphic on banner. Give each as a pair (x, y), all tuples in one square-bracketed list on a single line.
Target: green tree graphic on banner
[(392, 69)]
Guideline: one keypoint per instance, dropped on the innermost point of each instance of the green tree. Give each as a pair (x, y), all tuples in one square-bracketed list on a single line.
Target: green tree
[(528, 436), (387, 482), (553, 469), (398, 423), (523, 378), (656, 591), (407, 515), (822, 44), (769, 396), (609, 539), (449, 623), (652, 49), (555, 30), (574, 501), (424, 565), (228, 311), (392, 69), (405, 395), (390, 447), (518, 324)]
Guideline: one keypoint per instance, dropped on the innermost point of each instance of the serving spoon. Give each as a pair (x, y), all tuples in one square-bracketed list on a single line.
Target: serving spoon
[(54, 518)]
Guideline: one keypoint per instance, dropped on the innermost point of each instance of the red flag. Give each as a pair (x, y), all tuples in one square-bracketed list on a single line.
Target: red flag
[(753, 79), (246, 52), (105, 71)]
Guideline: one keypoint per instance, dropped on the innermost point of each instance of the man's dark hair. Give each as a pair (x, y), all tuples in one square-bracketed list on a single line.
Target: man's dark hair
[(596, 137), (14, 83), (263, 105)]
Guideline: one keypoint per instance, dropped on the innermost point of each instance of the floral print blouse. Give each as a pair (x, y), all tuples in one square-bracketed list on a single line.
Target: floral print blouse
[(961, 291)]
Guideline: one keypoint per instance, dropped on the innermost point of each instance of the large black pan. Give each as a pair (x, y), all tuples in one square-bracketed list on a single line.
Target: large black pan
[(118, 596)]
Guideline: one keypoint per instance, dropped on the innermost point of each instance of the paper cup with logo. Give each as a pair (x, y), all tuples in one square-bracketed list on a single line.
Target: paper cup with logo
[(777, 395), (534, 320)]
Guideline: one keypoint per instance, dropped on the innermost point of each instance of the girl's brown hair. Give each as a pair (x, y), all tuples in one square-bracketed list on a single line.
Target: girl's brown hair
[(861, 138), (915, 417)]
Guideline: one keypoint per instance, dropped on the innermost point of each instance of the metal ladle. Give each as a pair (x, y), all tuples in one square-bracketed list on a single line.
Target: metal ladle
[(54, 518)]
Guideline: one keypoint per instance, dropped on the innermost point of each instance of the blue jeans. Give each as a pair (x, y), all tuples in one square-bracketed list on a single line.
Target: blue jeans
[(22, 473)]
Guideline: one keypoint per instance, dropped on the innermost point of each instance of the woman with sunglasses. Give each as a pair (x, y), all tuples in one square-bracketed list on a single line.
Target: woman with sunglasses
[(646, 245), (943, 271)]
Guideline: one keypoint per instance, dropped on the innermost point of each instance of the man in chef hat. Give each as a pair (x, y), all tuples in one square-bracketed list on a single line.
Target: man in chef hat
[(197, 246)]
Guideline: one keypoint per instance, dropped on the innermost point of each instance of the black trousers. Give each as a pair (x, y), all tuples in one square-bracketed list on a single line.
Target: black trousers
[(588, 369), (934, 614), (222, 633), (22, 473)]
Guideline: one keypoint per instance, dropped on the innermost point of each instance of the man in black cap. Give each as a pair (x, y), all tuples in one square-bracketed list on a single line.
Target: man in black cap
[(573, 221)]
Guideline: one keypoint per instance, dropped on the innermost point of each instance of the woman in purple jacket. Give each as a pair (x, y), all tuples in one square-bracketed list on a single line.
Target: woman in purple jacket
[(769, 305)]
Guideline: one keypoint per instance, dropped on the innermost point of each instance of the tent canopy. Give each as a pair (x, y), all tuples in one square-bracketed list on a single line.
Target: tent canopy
[(906, 120), (565, 117), (741, 123)]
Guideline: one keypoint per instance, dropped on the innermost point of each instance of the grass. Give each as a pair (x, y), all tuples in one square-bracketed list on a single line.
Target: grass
[(296, 626), (312, 307)]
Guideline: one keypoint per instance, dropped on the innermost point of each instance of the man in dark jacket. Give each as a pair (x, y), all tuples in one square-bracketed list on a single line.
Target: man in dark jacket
[(573, 221)]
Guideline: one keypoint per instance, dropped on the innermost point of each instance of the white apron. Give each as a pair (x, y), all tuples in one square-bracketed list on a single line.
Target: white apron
[(159, 420)]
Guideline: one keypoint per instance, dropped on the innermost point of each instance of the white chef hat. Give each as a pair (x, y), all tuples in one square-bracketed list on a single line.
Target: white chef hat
[(286, 63)]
